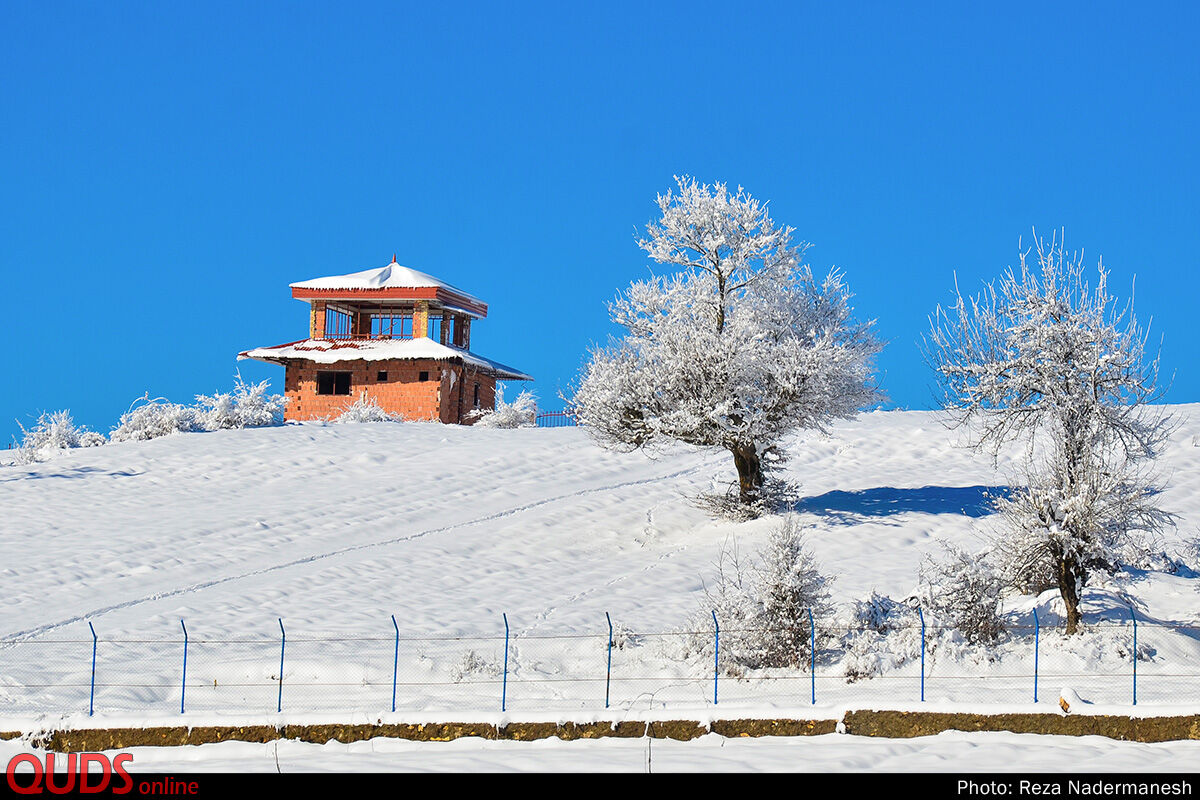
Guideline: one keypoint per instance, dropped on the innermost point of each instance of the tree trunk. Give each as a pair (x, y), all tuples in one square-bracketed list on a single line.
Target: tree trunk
[(750, 476), (1068, 586)]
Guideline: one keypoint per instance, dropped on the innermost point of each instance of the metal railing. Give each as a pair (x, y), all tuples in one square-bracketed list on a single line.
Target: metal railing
[(556, 419)]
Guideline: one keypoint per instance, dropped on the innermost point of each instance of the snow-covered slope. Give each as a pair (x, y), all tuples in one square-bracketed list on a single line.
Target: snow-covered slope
[(336, 528)]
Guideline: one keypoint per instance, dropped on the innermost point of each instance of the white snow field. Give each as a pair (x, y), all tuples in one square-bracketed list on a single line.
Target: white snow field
[(335, 528)]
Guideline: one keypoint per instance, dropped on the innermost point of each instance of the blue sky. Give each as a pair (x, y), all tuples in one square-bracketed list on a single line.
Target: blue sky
[(168, 168)]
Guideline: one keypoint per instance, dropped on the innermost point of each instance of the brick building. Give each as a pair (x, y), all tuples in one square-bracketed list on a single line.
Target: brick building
[(398, 335)]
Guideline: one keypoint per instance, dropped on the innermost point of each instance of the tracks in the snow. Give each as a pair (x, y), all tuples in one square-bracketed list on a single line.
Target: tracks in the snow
[(341, 551)]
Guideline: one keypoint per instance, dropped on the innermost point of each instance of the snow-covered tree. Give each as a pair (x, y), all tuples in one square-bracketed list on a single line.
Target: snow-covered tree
[(1047, 360), (738, 348)]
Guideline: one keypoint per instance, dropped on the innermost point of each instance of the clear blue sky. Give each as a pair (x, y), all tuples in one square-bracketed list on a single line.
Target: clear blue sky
[(168, 168)]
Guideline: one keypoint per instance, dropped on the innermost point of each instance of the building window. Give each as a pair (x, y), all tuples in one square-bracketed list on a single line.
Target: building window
[(333, 383), (424, 377), (381, 376), (477, 394)]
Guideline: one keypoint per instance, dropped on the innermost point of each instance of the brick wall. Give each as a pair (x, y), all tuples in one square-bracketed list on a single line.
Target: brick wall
[(421, 319), (316, 320), (401, 393), (487, 392), (458, 391)]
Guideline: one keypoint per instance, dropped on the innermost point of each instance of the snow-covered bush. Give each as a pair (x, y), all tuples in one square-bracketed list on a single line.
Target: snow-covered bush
[(520, 413), (53, 432), (248, 406), (883, 634), (869, 654), (623, 636), (364, 409), (963, 590), (152, 419), (473, 665), (763, 606), (879, 613)]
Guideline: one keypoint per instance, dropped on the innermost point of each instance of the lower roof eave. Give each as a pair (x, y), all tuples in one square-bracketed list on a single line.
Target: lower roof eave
[(325, 352)]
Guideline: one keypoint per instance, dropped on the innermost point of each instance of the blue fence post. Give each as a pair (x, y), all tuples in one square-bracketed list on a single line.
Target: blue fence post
[(504, 686), (282, 645), (92, 692), (812, 656), (183, 682), (1133, 616), (608, 676), (395, 662), (1037, 640), (921, 614), (716, 654)]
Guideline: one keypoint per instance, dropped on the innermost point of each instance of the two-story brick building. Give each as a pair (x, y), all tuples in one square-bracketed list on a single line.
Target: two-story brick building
[(398, 336)]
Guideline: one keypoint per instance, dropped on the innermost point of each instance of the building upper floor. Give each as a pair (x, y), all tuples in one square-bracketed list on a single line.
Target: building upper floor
[(389, 302)]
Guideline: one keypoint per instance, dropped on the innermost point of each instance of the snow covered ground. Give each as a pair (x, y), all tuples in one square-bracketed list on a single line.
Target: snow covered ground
[(335, 528)]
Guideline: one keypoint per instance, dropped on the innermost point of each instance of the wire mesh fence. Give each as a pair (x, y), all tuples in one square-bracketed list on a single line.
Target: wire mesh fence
[(1109, 663)]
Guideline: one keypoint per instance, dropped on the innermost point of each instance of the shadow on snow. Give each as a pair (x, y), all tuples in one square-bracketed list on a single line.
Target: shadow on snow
[(887, 501)]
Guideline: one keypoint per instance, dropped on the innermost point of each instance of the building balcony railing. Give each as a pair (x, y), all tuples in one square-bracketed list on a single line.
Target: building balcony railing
[(375, 337)]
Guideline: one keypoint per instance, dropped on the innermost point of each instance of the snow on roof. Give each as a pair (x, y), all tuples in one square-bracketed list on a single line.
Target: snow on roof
[(460, 310), (325, 351), (389, 276)]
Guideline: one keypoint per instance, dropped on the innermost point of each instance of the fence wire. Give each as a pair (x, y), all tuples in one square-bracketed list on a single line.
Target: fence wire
[(1109, 663)]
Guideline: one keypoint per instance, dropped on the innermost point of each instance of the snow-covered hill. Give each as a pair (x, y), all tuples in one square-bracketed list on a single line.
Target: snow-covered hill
[(334, 528)]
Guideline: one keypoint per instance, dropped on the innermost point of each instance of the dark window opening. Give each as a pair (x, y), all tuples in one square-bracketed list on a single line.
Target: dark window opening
[(333, 383), (424, 377), (477, 395), (381, 377)]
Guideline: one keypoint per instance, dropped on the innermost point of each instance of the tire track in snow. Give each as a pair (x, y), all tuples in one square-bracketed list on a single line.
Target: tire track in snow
[(509, 512)]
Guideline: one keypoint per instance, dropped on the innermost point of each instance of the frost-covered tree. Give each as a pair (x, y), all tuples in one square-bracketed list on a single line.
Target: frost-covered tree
[(1046, 359), (739, 347)]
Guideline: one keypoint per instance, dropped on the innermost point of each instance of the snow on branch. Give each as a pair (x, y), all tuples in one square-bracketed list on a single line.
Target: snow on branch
[(1046, 359), (520, 413), (740, 346)]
